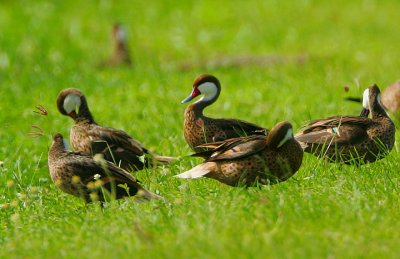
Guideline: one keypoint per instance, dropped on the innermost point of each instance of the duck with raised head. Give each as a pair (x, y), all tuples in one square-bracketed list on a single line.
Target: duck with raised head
[(91, 179), (90, 138), (121, 54), (199, 129), (251, 160), (390, 99), (351, 139)]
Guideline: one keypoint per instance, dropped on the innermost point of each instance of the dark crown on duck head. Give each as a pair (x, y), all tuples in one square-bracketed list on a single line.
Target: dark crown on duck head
[(204, 78), (199, 82)]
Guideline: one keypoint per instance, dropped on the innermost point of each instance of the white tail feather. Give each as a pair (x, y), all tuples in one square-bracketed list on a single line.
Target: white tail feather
[(196, 172)]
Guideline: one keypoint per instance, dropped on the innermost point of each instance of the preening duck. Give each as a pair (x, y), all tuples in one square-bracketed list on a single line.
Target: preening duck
[(90, 138)]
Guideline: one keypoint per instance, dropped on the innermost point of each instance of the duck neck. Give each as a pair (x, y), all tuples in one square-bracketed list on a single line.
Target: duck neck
[(378, 111), (56, 150), (84, 114), (199, 106), (121, 51)]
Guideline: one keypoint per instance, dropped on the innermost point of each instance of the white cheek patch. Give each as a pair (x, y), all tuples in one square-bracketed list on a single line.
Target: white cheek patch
[(289, 135), (209, 90), (121, 35), (71, 102), (366, 99)]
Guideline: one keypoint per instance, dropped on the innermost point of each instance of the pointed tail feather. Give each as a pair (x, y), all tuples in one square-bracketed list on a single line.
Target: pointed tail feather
[(143, 195), (303, 145), (197, 171), (164, 159)]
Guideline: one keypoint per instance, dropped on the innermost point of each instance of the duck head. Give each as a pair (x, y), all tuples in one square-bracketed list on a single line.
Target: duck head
[(71, 102), (118, 33), (280, 134), (206, 85), (372, 102)]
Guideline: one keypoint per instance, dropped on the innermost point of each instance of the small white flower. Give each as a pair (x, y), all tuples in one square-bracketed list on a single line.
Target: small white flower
[(142, 159), (97, 176)]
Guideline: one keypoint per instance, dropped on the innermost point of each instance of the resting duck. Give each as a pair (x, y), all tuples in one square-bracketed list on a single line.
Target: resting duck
[(199, 129), (91, 179), (251, 160), (90, 138), (390, 99), (121, 54), (351, 139)]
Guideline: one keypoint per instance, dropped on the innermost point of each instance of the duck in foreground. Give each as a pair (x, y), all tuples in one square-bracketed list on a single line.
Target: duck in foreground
[(90, 138), (199, 129), (251, 160), (89, 178), (351, 139)]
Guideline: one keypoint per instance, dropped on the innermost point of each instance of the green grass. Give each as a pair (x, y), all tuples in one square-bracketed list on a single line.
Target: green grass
[(325, 210)]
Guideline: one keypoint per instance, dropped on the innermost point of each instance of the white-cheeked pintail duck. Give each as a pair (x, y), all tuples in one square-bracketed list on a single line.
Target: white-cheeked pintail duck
[(90, 138), (199, 129), (91, 179), (251, 160), (351, 139)]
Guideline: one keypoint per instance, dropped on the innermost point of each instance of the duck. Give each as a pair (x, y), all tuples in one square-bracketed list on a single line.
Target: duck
[(121, 55), (92, 179), (351, 139), (199, 129), (390, 99), (252, 160), (90, 138)]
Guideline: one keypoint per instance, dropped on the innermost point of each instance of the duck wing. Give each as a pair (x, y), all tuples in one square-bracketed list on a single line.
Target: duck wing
[(335, 130), (233, 148), (87, 167), (239, 128), (117, 140), (89, 170)]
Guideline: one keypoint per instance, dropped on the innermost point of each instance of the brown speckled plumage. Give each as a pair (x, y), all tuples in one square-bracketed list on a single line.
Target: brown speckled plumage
[(351, 139), (87, 178), (251, 160), (90, 138), (199, 129)]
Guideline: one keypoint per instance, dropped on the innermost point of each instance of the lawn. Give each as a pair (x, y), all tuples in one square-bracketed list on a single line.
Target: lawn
[(276, 60)]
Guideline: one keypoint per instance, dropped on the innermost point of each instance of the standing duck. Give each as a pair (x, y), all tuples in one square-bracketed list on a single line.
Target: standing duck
[(121, 54), (351, 139), (90, 138), (199, 129), (251, 160), (89, 178)]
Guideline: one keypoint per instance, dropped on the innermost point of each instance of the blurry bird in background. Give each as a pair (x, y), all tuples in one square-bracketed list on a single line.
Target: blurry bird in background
[(121, 54)]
